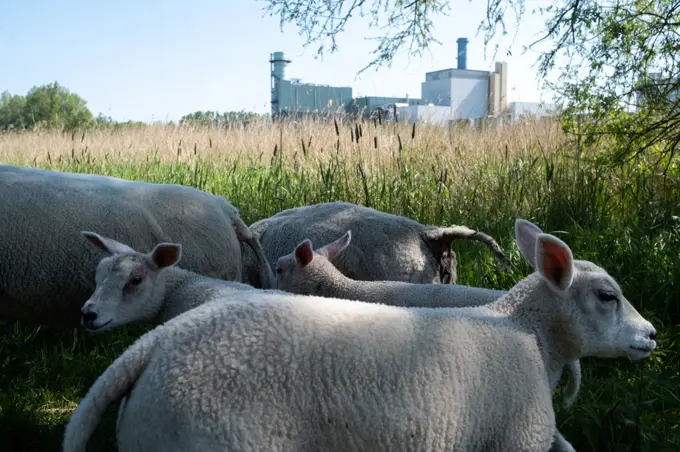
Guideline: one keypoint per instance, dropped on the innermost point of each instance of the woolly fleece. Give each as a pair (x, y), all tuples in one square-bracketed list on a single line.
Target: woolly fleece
[(387, 247), (47, 267)]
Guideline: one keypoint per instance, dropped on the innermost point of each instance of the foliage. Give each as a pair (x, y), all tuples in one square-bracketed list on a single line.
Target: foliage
[(217, 119), (54, 106), (48, 106), (321, 20), (103, 121), (11, 111), (623, 217), (617, 62)]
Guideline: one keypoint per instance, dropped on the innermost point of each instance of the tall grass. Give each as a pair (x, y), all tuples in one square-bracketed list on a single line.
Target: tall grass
[(623, 217)]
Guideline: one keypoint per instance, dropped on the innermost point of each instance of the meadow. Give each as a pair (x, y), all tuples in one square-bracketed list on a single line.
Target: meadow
[(624, 216)]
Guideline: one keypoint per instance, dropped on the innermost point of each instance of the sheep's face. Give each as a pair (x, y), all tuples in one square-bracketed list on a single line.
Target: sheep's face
[(609, 324), (129, 285), (592, 312), (310, 272), (127, 290)]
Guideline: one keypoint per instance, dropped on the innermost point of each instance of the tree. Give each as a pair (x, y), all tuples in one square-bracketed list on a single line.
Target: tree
[(54, 106), (322, 20), (613, 64), (620, 72), (11, 111), (217, 119)]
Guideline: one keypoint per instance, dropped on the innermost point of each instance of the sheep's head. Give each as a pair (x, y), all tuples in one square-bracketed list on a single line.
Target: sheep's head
[(129, 286), (308, 271), (599, 318)]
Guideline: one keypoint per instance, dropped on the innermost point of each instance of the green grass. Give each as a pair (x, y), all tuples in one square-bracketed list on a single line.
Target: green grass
[(623, 218)]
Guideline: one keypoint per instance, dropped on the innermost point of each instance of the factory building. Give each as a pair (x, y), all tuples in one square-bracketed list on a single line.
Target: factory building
[(460, 93), (471, 94), (367, 104), (447, 95), (293, 96)]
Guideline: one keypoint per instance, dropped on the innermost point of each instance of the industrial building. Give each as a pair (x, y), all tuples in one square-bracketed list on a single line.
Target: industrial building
[(447, 95), (365, 105), (293, 96)]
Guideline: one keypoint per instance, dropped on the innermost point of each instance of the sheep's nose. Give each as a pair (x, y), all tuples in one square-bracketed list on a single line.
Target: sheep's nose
[(652, 334), (89, 318)]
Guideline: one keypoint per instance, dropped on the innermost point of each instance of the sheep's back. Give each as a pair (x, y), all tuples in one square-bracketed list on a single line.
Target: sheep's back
[(282, 372), (47, 267)]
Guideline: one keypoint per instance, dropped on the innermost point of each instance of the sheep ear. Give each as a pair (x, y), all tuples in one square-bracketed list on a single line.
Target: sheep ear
[(304, 253), (106, 244), (525, 235), (166, 254), (555, 261), (333, 249)]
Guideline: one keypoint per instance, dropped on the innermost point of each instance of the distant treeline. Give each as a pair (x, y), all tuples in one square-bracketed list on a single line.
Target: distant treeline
[(53, 106)]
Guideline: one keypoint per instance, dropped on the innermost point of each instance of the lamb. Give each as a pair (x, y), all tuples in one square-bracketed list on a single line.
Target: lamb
[(47, 268), (274, 371), (306, 271), (133, 286), (388, 247)]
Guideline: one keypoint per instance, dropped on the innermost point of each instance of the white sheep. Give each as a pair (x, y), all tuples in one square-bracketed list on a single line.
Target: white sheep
[(306, 271), (272, 371), (388, 247), (47, 268), (133, 286)]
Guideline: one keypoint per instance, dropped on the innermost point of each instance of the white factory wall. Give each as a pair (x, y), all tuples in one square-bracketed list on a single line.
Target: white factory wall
[(519, 109), (428, 113), (466, 91), (470, 96), (437, 92)]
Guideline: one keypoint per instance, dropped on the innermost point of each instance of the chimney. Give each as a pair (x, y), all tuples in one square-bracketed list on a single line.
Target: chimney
[(462, 52)]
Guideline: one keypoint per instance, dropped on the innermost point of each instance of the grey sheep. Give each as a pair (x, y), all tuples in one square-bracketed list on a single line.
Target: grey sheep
[(388, 247), (133, 286), (306, 271), (279, 372), (47, 267)]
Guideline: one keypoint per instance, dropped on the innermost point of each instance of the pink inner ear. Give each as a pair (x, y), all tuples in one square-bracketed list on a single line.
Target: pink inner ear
[(555, 262), (331, 250), (304, 254)]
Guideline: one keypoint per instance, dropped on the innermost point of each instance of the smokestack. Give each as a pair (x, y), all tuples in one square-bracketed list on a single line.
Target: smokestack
[(277, 73), (462, 52)]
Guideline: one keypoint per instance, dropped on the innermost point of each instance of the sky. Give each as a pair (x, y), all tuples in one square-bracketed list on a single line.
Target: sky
[(161, 59)]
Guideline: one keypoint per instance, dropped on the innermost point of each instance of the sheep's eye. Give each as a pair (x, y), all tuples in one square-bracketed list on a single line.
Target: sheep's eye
[(606, 296), (135, 280), (279, 270)]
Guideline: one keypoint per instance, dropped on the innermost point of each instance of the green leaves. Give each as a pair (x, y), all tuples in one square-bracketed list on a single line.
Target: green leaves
[(620, 70), (49, 106), (399, 22)]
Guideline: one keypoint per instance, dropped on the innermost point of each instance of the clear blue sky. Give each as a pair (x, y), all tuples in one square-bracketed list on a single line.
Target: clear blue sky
[(160, 59)]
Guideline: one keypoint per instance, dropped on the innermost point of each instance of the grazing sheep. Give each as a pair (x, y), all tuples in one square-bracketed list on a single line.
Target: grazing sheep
[(47, 267), (306, 271), (388, 247), (272, 371), (133, 286)]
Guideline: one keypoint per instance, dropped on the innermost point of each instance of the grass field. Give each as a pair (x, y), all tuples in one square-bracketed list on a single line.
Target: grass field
[(623, 217)]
